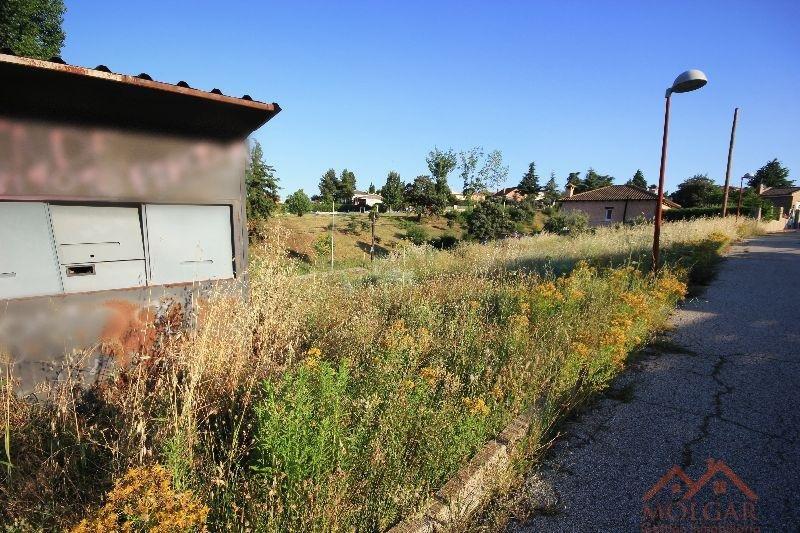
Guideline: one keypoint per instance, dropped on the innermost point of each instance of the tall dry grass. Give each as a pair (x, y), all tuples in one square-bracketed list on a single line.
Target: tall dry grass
[(327, 403)]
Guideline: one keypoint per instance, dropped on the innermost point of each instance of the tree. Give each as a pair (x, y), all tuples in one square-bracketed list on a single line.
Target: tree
[(550, 190), (698, 191), (440, 163), (592, 180), (444, 196), (371, 189), (32, 28), (469, 176), (494, 172), (530, 180), (328, 187), (638, 180), (773, 174), (347, 186), (489, 220), (298, 203), (393, 191), (421, 194), (261, 183), (574, 178)]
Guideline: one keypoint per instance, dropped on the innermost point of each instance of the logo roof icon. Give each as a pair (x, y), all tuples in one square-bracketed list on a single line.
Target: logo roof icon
[(713, 468)]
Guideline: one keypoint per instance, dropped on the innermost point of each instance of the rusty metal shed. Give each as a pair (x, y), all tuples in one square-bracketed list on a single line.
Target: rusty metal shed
[(120, 197)]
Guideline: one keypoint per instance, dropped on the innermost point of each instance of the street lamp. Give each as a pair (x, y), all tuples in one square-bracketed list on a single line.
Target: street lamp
[(747, 177), (686, 82)]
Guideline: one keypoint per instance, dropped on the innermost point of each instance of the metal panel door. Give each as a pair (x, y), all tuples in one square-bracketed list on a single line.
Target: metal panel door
[(99, 247), (90, 234), (189, 243), (28, 265)]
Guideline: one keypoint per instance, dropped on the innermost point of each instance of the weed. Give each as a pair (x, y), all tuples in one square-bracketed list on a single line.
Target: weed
[(339, 402)]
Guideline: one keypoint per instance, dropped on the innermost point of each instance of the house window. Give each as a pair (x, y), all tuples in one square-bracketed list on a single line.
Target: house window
[(609, 214)]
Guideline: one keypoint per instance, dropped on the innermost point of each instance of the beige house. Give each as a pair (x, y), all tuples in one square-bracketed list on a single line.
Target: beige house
[(512, 194), (787, 198), (614, 204), (366, 199)]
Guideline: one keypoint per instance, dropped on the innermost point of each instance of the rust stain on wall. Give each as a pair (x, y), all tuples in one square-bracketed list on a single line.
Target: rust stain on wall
[(130, 329)]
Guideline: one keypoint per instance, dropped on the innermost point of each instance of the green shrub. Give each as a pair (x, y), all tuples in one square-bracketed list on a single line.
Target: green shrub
[(490, 220), (570, 223), (416, 234)]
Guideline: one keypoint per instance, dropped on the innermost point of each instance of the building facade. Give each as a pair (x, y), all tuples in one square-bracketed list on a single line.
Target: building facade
[(120, 198), (614, 204), (787, 198)]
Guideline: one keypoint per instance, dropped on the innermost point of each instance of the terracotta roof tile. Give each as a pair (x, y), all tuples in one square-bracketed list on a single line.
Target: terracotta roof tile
[(616, 192), (780, 191)]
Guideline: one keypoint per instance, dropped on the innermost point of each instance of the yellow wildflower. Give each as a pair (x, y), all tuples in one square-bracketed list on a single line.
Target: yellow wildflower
[(476, 406), (431, 374), (314, 352), (497, 392), (144, 499), (581, 350)]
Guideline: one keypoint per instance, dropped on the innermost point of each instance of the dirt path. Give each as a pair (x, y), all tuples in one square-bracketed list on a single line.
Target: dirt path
[(731, 392)]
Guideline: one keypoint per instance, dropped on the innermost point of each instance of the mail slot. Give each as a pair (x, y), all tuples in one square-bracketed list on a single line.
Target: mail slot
[(103, 276), (80, 270)]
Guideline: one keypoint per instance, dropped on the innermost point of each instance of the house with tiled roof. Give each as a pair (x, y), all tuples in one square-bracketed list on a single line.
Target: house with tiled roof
[(614, 204), (787, 198)]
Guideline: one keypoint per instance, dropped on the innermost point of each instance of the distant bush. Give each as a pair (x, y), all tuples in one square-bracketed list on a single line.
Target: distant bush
[(444, 242), (416, 234), (322, 247), (571, 223), (768, 212), (490, 220), (298, 203)]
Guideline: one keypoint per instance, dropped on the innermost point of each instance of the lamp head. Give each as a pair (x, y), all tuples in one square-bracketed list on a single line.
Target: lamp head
[(689, 81)]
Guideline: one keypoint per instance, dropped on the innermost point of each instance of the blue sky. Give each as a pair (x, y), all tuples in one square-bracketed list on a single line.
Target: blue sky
[(372, 86)]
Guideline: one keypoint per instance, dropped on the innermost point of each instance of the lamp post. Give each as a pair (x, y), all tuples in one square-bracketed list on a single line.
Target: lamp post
[(686, 82), (728, 168), (747, 177)]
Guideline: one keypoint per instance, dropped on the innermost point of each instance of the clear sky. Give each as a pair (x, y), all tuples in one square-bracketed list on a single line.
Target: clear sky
[(373, 86)]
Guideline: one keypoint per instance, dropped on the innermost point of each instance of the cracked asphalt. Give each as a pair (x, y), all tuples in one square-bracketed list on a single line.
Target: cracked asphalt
[(730, 392)]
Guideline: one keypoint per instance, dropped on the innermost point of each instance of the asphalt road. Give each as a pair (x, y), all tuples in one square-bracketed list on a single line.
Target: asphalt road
[(728, 389)]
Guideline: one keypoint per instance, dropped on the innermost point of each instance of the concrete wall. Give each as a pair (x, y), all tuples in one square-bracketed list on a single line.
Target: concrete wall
[(597, 210), (98, 166)]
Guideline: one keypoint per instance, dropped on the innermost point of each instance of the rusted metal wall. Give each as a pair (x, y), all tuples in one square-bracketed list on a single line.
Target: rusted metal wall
[(57, 162)]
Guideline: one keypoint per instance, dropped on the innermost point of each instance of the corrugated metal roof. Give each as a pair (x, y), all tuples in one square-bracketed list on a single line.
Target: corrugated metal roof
[(616, 192), (54, 90), (780, 191)]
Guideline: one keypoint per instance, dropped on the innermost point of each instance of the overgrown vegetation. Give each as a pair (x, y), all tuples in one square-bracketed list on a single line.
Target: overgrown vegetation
[(340, 404)]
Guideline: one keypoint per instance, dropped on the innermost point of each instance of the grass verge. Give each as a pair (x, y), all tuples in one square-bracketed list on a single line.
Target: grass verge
[(323, 404)]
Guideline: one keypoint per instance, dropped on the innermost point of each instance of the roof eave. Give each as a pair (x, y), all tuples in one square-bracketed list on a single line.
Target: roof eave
[(135, 80)]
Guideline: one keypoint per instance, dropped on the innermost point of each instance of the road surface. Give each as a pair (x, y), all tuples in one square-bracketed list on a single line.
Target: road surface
[(727, 387)]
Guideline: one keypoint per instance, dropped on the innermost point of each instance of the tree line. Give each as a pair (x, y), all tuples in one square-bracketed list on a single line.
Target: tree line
[(482, 174)]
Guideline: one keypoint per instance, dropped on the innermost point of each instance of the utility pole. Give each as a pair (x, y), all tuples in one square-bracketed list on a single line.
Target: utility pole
[(730, 158), (373, 215), (333, 226)]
